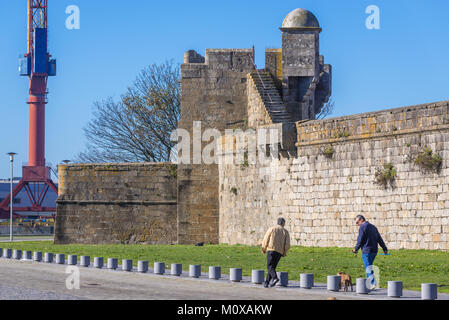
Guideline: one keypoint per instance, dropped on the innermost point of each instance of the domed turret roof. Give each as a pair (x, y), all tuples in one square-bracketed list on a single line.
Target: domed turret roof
[(300, 18)]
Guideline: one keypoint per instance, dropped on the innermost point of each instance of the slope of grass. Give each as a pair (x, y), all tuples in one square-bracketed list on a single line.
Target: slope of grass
[(413, 267)]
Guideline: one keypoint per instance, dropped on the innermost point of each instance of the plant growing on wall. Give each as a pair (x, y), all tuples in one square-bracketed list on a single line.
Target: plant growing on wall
[(234, 190), (428, 161), (328, 152), (342, 134), (173, 170), (386, 175), (245, 163)]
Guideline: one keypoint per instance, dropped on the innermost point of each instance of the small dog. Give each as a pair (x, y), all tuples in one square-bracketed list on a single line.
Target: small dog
[(346, 281)]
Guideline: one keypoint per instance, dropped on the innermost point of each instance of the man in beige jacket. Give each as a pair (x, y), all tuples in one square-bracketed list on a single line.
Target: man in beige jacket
[(277, 243)]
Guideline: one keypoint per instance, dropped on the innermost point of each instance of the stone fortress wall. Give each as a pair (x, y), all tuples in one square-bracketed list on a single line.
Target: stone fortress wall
[(227, 203), (116, 203), (214, 95), (320, 196)]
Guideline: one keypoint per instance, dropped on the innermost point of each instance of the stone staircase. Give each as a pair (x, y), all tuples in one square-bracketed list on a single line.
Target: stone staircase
[(270, 96)]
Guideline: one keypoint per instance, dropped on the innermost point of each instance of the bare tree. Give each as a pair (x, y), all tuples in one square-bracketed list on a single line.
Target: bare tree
[(327, 110), (137, 128)]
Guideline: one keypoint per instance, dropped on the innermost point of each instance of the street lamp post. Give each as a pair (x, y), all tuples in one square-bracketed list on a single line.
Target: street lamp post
[(11, 204)]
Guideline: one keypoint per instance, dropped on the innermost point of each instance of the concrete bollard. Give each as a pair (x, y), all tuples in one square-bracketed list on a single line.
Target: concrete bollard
[(214, 272), (361, 287), (98, 262), (127, 265), (60, 258), (429, 291), (195, 271), (306, 281), (27, 255), (159, 268), (48, 257), (37, 256), (235, 274), (112, 263), (85, 261), (176, 269), (283, 279), (258, 276), (7, 253), (72, 260), (142, 266), (17, 254), (395, 289), (333, 283)]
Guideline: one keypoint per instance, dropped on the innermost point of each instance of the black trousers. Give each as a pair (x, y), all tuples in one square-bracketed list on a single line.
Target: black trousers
[(273, 258)]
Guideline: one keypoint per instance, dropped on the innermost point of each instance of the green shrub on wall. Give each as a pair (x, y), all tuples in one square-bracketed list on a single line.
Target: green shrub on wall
[(328, 152), (428, 161), (173, 170), (386, 175), (245, 163)]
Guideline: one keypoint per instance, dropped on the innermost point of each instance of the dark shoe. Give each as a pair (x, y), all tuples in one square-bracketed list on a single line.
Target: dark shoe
[(265, 284), (274, 282)]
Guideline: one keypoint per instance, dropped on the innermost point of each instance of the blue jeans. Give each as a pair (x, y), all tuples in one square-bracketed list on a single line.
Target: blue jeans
[(368, 260)]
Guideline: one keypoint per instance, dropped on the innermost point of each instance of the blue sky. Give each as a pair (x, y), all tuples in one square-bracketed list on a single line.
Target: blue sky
[(404, 63)]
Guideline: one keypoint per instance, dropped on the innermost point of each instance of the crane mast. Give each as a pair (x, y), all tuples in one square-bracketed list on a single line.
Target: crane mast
[(37, 65)]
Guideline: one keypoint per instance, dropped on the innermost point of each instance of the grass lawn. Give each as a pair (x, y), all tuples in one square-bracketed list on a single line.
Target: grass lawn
[(413, 267)]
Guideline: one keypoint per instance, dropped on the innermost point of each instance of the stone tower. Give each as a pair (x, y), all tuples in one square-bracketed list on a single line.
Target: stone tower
[(306, 80), (224, 90)]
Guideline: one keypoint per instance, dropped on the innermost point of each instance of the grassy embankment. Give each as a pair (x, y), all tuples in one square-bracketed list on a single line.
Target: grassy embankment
[(413, 267)]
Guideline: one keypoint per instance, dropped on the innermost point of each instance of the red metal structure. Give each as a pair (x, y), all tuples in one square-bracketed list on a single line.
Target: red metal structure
[(37, 65)]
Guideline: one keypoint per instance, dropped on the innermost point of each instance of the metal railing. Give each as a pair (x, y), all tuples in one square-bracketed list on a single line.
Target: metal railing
[(260, 78)]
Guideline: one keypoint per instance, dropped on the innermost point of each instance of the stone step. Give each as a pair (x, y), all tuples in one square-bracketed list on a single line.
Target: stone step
[(265, 82), (278, 109), (272, 94), (274, 103), (278, 113), (273, 99), (267, 87)]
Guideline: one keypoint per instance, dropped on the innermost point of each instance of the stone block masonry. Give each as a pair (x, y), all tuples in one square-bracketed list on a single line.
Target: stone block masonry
[(117, 203), (214, 92), (320, 197)]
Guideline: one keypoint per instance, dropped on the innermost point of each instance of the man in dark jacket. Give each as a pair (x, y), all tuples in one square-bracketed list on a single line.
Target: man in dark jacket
[(369, 239)]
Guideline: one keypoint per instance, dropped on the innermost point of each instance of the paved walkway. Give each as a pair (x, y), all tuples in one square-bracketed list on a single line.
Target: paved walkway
[(30, 280)]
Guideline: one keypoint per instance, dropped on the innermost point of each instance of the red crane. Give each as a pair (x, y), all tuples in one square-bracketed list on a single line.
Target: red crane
[(38, 66)]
